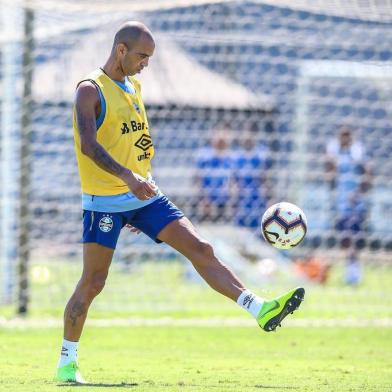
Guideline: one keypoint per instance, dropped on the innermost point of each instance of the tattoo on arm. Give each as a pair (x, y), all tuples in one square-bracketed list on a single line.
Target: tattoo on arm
[(101, 157), (78, 309), (84, 123), (98, 154)]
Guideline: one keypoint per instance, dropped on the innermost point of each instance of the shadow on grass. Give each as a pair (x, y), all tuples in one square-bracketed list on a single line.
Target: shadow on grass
[(132, 385), (212, 387), (100, 385), (274, 387)]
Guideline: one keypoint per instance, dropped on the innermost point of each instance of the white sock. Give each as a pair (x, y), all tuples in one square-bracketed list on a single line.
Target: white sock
[(250, 302), (69, 353)]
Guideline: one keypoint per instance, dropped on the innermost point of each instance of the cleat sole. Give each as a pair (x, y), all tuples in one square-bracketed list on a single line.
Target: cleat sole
[(289, 307)]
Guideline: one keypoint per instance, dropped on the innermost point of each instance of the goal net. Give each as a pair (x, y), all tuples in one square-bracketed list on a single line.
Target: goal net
[(249, 103)]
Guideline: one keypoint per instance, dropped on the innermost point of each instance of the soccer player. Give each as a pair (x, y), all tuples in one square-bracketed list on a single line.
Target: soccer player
[(114, 152)]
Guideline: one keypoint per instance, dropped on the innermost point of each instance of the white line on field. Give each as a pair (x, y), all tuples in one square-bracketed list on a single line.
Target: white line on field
[(195, 322)]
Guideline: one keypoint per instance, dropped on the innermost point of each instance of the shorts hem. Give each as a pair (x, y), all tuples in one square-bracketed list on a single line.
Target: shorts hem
[(99, 243), (172, 219)]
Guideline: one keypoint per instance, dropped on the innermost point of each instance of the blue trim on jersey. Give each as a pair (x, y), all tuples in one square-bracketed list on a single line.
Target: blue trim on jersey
[(101, 116), (116, 203), (126, 86)]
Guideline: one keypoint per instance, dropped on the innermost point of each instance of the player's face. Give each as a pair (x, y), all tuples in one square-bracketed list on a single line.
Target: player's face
[(137, 58)]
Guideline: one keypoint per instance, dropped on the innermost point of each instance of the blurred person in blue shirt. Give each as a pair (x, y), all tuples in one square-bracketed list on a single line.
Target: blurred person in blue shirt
[(250, 166), (349, 177), (214, 173)]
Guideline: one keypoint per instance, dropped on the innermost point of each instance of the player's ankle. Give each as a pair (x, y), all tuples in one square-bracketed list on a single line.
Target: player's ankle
[(250, 302), (69, 353)]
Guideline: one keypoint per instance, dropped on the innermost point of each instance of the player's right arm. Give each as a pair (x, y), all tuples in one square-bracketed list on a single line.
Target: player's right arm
[(87, 106)]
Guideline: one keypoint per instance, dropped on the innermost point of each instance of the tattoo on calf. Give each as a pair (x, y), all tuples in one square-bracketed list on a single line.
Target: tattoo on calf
[(78, 309)]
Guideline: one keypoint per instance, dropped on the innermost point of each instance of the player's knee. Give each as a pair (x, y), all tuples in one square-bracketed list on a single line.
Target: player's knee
[(94, 285), (204, 251), (98, 285)]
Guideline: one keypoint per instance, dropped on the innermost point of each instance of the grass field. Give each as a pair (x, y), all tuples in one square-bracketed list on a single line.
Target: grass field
[(205, 359), (152, 289), (349, 350)]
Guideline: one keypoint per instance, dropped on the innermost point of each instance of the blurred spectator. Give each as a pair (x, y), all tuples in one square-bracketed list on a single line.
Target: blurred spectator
[(349, 178), (353, 270), (249, 174), (313, 269), (214, 174)]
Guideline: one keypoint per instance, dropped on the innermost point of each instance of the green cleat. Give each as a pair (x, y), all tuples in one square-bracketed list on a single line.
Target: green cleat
[(274, 311), (70, 373)]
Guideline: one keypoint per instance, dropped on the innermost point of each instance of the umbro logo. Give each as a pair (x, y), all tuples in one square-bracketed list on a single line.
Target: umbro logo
[(144, 142), (248, 300)]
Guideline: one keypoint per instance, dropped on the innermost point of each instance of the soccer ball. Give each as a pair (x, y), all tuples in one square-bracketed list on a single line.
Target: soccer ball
[(284, 225)]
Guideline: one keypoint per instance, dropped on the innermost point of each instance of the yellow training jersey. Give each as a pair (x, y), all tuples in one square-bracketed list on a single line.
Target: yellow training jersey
[(123, 134)]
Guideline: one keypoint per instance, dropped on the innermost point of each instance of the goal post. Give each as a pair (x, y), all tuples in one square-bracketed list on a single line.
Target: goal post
[(16, 155), (10, 120)]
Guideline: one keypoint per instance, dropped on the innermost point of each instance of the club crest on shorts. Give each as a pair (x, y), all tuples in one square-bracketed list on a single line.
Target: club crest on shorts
[(106, 224)]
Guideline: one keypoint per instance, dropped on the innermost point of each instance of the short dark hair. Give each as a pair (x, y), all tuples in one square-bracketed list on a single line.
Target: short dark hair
[(129, 33)]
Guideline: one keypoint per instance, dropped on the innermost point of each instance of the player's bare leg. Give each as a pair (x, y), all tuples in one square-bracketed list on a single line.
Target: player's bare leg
[(182, 236), (96, 263)]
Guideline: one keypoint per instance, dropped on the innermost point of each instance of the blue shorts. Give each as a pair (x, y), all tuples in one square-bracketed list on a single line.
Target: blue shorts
[(104, 227)]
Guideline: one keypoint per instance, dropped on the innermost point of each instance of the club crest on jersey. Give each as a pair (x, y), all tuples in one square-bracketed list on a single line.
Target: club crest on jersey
[(106, 224), (136, 106)]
